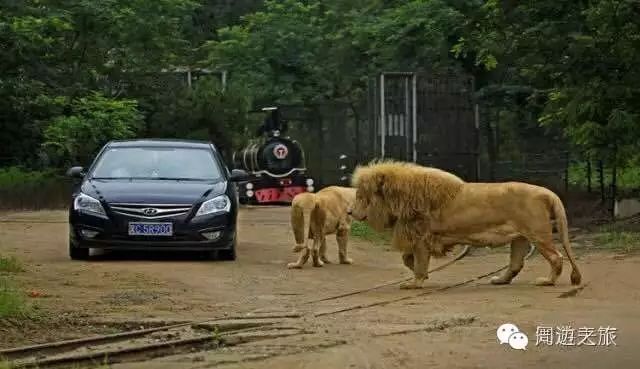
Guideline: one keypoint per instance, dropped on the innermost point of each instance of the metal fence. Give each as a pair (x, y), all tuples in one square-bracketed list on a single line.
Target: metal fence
[(426, 118), (434, 120), (328, 132), (513, 146)]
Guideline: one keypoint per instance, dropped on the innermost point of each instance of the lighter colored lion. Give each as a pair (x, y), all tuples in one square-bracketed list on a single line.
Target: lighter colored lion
[(318, 215), (431, 211)]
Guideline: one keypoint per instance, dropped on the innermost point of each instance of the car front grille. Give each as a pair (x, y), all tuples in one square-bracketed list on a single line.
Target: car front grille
[(151, 211)]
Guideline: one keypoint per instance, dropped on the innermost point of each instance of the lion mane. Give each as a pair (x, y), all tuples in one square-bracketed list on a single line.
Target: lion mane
[(408, 181)]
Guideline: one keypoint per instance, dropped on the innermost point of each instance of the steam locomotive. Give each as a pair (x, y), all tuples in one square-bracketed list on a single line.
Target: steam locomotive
[(276, 165)]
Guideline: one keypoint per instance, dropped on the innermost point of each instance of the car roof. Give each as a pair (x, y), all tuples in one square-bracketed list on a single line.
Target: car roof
[(160, 142)]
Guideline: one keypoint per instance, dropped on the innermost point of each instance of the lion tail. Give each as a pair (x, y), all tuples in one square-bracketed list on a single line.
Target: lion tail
[(301, 208), (563, 228)]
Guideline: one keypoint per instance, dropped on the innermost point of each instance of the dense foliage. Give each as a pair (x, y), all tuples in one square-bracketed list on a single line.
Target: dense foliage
[(572, 65), (92, 120), (581, 58)]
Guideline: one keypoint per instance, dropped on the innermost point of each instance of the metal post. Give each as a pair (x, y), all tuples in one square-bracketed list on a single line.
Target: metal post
[(405, 123), (415, 117), (477, 124), (224, 80), (189, 77), (383, 125), (372, 121), (343, 169)]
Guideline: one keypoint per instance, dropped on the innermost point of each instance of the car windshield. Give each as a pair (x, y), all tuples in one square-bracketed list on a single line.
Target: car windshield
[(157, 163)]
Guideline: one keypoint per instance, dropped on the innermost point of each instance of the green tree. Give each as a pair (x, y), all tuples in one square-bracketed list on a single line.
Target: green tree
[(62, 49), (92, 121), (305, 51), (274, 50), (216, 114), (580, 57), (29, 41)]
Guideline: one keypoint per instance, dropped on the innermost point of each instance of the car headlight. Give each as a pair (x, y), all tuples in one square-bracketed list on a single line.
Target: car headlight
[(220, 204), (88, 205)]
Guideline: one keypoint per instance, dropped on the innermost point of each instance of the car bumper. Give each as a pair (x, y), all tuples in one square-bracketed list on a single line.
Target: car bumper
[(112, 234), (139, 245)]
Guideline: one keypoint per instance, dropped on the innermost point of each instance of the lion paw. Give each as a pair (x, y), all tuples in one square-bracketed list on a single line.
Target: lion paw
[(325, 260), (544, 281), (346, 261), (294, 266), (499, 280), (318, 264), (409, 286)]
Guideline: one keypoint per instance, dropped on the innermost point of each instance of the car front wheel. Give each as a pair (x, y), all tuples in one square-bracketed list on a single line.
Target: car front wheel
[(77, 253), (229, 254)]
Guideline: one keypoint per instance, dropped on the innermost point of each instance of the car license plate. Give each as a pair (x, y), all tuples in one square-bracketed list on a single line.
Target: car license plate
[(150, 229)]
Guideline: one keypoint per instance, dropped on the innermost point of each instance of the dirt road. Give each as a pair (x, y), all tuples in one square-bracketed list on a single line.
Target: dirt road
[(455, 328)]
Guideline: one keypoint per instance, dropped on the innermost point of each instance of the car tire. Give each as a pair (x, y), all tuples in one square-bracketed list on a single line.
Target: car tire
[(229, 254), (77, 253)]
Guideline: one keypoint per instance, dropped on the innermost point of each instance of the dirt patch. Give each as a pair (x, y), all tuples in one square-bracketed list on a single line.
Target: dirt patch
[(136, 297), (49, 327), (452, 328)]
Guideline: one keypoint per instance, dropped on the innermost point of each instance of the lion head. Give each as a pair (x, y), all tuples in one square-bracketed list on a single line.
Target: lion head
[(372, 209), (389, 190)]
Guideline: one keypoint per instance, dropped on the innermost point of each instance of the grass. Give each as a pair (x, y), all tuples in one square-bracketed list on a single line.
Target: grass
[(363, 231), (10, 264), (628, 178), (12, 302), (618, 240), (27, 189)]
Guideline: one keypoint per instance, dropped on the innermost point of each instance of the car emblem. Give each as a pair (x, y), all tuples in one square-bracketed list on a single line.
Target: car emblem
[(280, 151), (149, 211)]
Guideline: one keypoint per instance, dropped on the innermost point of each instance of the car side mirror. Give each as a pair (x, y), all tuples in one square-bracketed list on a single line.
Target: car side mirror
[(75, 172), (239, 175)]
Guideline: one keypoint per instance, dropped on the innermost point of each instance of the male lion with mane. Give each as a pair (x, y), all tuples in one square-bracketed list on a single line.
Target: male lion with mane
[(321, 213), (431, 211)]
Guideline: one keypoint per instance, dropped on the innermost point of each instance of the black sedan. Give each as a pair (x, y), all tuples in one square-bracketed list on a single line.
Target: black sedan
[(155, 195)]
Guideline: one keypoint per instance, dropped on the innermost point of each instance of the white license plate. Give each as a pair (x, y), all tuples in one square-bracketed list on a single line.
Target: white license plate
[(150, 229)]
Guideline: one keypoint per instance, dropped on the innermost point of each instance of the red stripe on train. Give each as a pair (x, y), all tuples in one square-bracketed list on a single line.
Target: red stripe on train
[(278, 194)]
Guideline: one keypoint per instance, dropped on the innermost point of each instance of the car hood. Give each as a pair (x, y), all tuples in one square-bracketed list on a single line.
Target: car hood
[(152, 191)]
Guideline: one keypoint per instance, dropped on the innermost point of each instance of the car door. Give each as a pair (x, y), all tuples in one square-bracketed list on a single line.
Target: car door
[(232, 186)]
